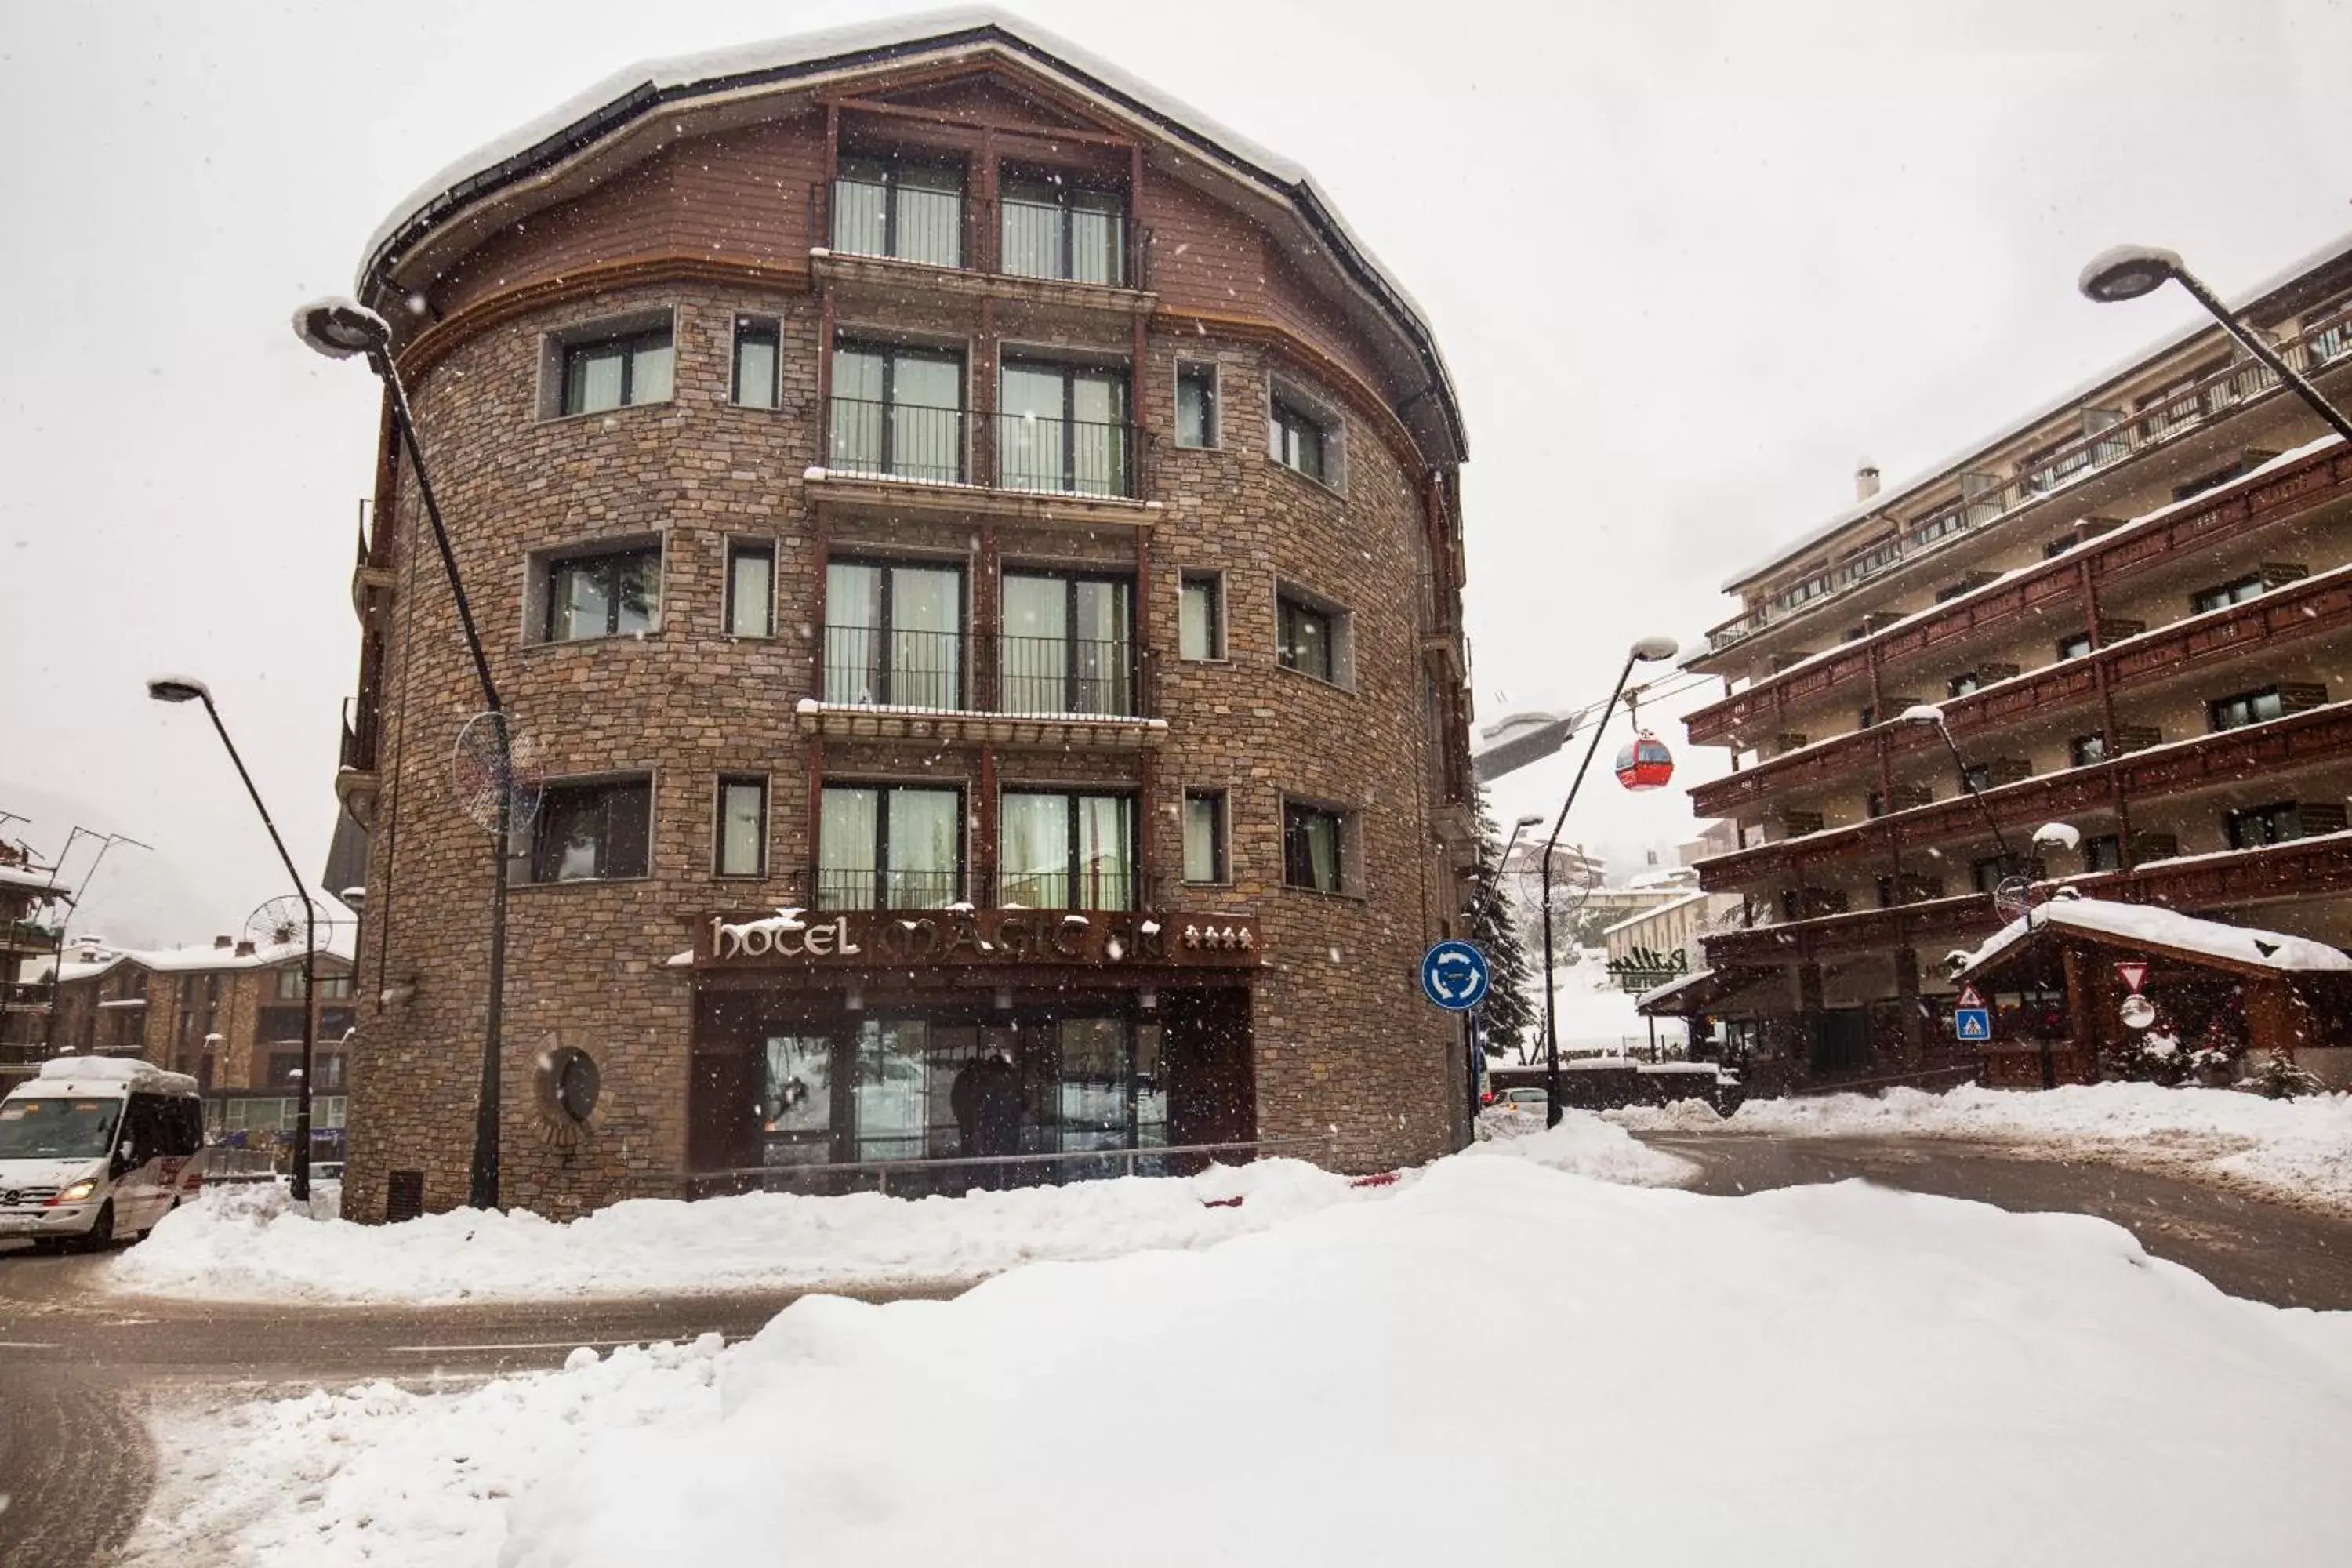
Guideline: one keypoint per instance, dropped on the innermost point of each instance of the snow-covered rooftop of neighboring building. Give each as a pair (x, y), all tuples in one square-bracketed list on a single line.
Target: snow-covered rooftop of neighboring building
[(2164, 928), (83, 960), (1653, 912), (31, 879)]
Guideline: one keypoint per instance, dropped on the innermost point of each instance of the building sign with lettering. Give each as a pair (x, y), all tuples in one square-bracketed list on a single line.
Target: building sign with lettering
[(1646, 968), (907, 938)]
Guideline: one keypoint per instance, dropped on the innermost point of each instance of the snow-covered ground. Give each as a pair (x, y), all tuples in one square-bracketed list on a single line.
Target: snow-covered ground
[(2298, 1150), (1493, 1362), (1595, 1013), (241, 1244)]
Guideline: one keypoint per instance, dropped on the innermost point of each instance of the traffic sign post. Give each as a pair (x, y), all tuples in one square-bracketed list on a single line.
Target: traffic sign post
[(2134, 976), (1972, 1019), (1454, 976)]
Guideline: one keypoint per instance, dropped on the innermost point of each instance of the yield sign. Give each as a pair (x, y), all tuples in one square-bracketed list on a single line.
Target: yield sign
[(2133, 974), (1968, 997)]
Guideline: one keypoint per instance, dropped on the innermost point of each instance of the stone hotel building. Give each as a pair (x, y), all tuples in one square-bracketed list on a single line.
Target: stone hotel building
[(974, 550), (2134, 607)]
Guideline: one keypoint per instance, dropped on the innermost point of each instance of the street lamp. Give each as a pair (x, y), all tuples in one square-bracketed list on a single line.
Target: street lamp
[(339, 329), (2129, 271), (184, 689), (1928, 716), (1644, 650)]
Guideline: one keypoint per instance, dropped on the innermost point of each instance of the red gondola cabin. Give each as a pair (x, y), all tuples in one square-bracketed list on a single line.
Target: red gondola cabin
[(1646, 763)]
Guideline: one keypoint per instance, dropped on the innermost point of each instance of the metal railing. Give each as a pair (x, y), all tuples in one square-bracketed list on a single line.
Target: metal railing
[(1073, 245), (1066, 675), (24, 995), (896, 440), (850, 1175), (880, 887), (953, 228), (904, 222), (867, 888), (871, 666), (1064, 457), (890, 668), (2192, 405)]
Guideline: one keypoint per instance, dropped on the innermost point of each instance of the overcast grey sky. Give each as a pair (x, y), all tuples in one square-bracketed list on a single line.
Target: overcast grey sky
[(1688, 262)]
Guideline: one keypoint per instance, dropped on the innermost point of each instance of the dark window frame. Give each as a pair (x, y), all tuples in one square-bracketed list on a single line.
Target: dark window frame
[(1220, 838), (1289, 608), (1287, 424), (629, 346), (1074, 675), (2217, 707), (1214, 584), (2087, 751), (2075, 647), (554, 569), (883, 789), (2221, 596), (2270, 817), (738, 549), (765, 329), (892, 356), (539, 858), (1071, 867), (1298, 816), (719, 866), (1197, 372), (1060, 190)]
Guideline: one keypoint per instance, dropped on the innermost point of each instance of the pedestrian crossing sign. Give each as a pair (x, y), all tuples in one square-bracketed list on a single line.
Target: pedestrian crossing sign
[(1972, 1023)]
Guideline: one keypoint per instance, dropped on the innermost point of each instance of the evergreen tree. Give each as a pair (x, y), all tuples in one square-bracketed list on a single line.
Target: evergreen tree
[(1506, 1013)]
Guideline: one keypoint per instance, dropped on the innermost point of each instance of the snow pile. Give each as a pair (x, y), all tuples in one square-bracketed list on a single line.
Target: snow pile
[(1882, 1377), (1583, 1146), (231, 1247), (2297, 1149)]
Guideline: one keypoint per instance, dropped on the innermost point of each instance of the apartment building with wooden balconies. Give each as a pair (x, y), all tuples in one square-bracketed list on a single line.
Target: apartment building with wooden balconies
[(2133, 611)]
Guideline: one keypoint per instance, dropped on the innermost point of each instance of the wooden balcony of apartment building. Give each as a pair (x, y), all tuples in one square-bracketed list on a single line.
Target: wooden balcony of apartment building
[(2237, 878), (992, 687), (2076, 579), (2320, 734), (2196, 407), (357, 780), (2284, 616), (372, 574)]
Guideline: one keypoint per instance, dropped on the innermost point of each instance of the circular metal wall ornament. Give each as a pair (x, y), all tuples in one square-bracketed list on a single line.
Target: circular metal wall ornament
[(493, 765), (2138, 1012), (2012, 899)]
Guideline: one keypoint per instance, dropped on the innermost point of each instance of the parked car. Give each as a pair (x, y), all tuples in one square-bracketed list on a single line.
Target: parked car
[(1523, 1101)]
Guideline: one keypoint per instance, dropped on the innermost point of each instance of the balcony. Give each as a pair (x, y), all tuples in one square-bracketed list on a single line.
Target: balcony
[(1064, 457), (943, 241), (2322, 734), (2324, 478), (356, 779), (1106, 887), (896, 441), (956, 686), (2195, 406), (25, 995), (896, 457)]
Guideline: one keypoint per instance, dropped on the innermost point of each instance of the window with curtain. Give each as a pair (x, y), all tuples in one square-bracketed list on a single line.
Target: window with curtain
[(750, 590), (757, 361), (1204, 836), (1068, 644), (1196, 406), (1062, 429), (742, 828), (1065, 851), (899, 412), (894, 633), (612, 594), (1200, 617), (591, 832), (1295, 438), (907, 211), (1313, 846), (890, 847), (1307, 639), (1053, 229), (616, 372)]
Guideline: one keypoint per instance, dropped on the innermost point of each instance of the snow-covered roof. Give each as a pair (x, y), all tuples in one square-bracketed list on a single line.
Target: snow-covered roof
[(1674, 987), (2153, 926), (662, 85), (1889, 499), (337, 942), (26, 878), (77, 1075), (1654, 912)]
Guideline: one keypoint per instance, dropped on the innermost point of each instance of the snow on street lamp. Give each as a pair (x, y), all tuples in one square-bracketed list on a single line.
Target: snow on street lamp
[(340, 328), (1644, 650), (186, 689), (2130, 271)]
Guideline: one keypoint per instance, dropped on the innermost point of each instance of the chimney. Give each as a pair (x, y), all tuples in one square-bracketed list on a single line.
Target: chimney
[(1866, 480), (245, 950), (220, 942)]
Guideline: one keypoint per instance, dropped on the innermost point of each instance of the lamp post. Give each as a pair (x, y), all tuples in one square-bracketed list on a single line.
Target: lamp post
[(184, 689), (2129, 271), (1928, 716), (1644, 650), (339, 329)]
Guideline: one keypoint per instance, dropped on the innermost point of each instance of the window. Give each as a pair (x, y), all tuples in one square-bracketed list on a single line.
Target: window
[(1964, 683), (1052, 228), (1864, 718), (1977, 776), (2076, 646), (1062, 429), (2280, 821), (289, 985), (616, 372), (899, 412), (2246, 708), (759, 360), (2105, 853), (742, 847), (888, 847), (1204, 836), (913, 212), (1067, 645), (750, 590), (1295, 439), (1313, 847), (894, 635), (1062, 851), (1200, 617), (2086, 751), (612, 594), (1196, 404), (1987, 875), (2222, 596), (1307, 639), (591, 832)]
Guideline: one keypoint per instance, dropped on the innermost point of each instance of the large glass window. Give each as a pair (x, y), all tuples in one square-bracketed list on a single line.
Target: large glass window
[(758, 360), (796, 1099), (2259, 824), (590, 832), (1063, 430), (1200, 617), (615, 595), (1293, 438), (1307, 640), (750, 590), (894, 635), (1067, 645), (1196, 406), (2246, 708), (890, 847), (1204, 836), (899, 412), (1062, 851), (741, 847), (1052, 228), (912, 212), (614, 373), (1313, 846), (2225, 595)]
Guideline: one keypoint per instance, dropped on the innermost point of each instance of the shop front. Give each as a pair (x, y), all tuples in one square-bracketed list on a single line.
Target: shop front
[(941, 1050)]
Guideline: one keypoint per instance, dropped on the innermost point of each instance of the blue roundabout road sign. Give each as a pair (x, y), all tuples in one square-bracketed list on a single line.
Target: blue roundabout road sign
[(1454, 976)]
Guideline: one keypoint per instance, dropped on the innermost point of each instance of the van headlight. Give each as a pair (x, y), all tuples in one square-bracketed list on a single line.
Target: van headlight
[(78, 1192)]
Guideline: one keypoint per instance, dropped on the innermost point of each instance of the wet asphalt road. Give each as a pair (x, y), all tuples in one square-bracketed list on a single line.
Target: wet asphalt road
[(77, 1367)]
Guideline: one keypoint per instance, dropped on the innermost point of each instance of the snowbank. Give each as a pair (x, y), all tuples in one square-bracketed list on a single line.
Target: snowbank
[(1582, 1143), (1834, 1375), (241, 1245), (2299, 1149)]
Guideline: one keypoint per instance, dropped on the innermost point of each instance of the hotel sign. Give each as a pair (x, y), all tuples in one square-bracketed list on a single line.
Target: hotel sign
[(917, 939)]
